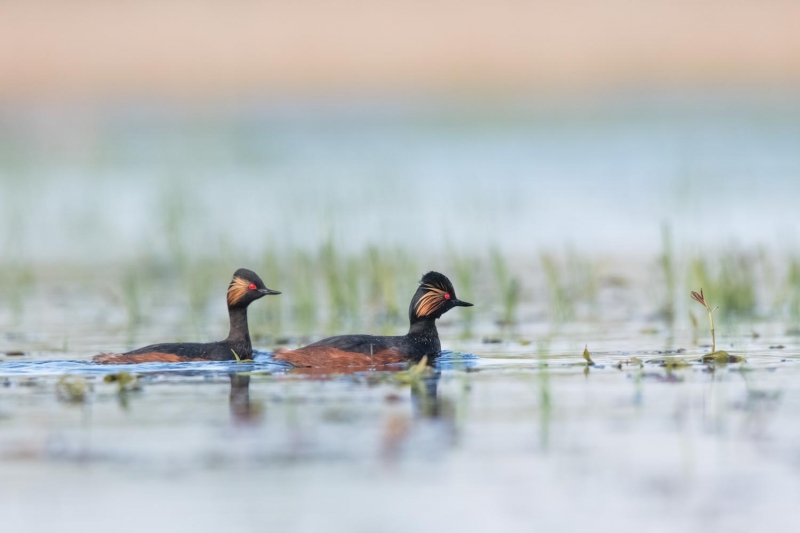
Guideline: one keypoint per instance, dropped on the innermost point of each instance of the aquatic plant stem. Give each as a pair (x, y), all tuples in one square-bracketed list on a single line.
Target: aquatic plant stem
[(701, 298), (713, 337)]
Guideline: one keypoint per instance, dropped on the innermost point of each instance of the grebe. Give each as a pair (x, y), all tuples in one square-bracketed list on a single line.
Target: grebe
[(245, 288), (434, 297)]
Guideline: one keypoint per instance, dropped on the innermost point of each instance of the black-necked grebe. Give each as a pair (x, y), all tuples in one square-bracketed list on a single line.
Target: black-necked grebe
[(245, 288), (434, 297)]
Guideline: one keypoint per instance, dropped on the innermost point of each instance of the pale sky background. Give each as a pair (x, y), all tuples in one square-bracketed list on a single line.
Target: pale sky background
[(191, 49), (471, 124)]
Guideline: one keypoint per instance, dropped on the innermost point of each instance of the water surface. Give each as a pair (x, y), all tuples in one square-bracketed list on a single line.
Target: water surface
[(512, 438)]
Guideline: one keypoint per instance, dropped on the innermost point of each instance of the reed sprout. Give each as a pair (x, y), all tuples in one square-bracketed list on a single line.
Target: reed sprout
[(700, 298), (587, 356)]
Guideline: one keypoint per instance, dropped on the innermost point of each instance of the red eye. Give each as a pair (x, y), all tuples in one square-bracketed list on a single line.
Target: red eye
[(447, 296), (252, 286)]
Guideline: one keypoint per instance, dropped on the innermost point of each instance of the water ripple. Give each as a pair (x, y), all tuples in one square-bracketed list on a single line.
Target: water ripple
[(262, 363)]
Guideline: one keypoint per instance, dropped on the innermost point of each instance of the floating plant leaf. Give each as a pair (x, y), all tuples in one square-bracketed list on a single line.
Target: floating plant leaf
[(125, 380), (722, 357), (71, 389), (632, 361), (671, 363)]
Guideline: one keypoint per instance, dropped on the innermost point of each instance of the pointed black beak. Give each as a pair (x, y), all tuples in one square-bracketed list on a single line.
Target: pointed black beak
[(266, 291), (461, 303)]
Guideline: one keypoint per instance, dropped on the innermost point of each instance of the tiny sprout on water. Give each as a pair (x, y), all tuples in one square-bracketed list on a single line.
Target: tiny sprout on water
[(588, 356), (700, 298)]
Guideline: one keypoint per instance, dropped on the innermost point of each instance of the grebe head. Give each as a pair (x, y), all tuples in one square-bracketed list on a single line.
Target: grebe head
[(246, 287), (434, 297)]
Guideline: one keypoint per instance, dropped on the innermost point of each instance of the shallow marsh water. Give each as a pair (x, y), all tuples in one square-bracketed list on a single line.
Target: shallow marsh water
[(511, 438), (121, 228)]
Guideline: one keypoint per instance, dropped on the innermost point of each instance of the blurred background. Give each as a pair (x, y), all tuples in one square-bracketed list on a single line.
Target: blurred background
[(535, 151), (576, 167)]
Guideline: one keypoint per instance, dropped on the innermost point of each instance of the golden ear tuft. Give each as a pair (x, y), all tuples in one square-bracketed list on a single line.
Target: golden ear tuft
[(430, 301), (237, 289)]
